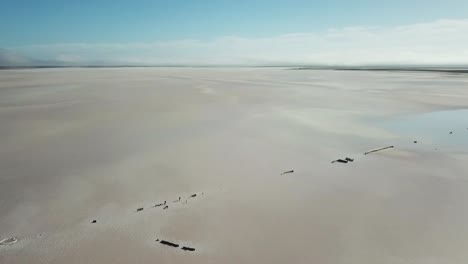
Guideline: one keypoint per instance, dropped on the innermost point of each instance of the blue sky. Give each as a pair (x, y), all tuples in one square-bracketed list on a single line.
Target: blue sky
[(155, 32)]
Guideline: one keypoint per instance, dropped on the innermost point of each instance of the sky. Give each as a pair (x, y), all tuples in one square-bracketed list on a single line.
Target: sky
[(241, 32)]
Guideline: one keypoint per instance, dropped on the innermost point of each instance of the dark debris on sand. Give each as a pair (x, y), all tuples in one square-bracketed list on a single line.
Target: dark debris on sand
[(160, 204), (340, 161), (379, 149), (168, 243), (175, 245), (188, 249), (345, 160)]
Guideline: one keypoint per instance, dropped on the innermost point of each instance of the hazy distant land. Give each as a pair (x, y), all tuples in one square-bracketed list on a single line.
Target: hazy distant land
[(394, 68)]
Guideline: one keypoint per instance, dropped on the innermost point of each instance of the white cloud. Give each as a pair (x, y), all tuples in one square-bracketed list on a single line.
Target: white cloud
[(438, 42)]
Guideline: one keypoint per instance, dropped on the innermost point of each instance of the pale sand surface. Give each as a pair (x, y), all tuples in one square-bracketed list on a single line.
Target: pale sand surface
[(84, 144)]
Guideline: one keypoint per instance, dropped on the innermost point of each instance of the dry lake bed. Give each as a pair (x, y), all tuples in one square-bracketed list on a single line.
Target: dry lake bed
[(233, 165)]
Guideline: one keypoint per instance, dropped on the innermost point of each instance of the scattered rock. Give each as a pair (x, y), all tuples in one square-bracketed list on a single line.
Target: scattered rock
[(415, 142), (172, 244), (188, 249), (340, 161), (193, 195), (140, 209), (451, 133), (94, 221), (165, 207), (345, 160), (177, 200), (167, 243), (286, 172), (160, 204), (8, 241)]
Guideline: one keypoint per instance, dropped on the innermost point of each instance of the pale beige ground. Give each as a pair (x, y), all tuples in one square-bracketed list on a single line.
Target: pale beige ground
[(84, 144)]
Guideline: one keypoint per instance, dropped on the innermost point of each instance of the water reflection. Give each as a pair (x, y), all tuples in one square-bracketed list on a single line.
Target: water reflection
[(434, 128)]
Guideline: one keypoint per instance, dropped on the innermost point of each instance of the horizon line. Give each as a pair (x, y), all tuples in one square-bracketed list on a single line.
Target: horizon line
[(450, 68)]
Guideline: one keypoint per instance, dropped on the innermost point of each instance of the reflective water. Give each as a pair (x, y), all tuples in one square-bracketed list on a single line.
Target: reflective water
[(442, 128)]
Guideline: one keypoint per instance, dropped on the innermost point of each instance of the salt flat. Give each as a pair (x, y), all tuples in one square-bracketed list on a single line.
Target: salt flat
[(78, 145)]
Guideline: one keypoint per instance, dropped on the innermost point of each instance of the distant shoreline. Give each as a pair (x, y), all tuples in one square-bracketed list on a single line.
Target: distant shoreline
[(460, 70), (444, 69)]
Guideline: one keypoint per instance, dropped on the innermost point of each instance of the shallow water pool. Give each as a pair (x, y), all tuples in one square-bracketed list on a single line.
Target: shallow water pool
[(441, 128)]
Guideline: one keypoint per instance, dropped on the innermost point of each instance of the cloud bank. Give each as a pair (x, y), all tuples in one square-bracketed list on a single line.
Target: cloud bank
[(438, 42)]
